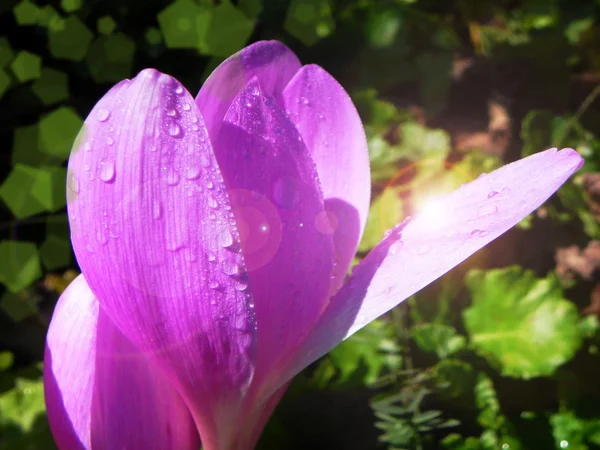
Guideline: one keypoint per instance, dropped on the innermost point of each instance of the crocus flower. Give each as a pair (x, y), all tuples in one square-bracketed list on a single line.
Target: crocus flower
[(214, 236)]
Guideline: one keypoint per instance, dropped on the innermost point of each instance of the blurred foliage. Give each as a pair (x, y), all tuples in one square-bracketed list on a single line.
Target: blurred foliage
[(499, 354)]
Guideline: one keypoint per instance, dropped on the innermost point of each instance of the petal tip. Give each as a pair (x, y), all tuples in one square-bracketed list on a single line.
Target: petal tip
[(572, 156)]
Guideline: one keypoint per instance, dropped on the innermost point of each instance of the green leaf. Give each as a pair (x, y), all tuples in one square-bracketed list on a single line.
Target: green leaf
[(184, 24), (110, 58), (6, 52), (18, 306), (23, 424), (6, 360), (58, 130), (252, 8), (69, 38), (52, 86), (228, 31), (366, 355), (443, 340), (16, 192), (453, 378), (383, 27), (70, 5), (55, 252), (568, 431), (309, 20), (26, 66), (106, 25), (26, 13), (5, 82), (520, 323), (487, 403), (26, 147), (19, 264), (386, 211)]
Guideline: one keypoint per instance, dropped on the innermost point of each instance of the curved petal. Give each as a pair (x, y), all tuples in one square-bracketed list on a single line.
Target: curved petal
[(101, 391), (154, 235), (423, 249), (272, 62), (333, 132), (278, 206)]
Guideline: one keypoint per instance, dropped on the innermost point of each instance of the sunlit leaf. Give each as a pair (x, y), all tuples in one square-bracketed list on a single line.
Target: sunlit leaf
[(443, 340), (184, 24), (386, 211), (26, 13), (106, 25), (70, 5), (15, 192), (520, 323), (58, 130), (228, 31), (26, 66), (309, 20), (6, 360)]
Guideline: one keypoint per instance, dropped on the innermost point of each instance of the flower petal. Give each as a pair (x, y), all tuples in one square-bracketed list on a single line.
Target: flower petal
[(333, 132), (277, 202), (152, 232), (421, 250), (101, 391), (272, 62)]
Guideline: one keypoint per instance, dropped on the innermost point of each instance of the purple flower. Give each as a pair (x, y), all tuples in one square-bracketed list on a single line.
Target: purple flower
[(214, 237)]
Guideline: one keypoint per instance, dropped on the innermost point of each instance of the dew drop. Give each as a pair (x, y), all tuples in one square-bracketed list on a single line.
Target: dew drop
[(173, 178), (204, 160), (225, 239), (305, 101), (230, 268), (175, 130), (192, 172), (487, 210), (179, 89), (109, 140), (395, 247), (73, 184), (505, 191), (101, 237), (186, 106), (87, 147), (211, 256), (478, 233), (241, 286), (103, 114), (212, 203), (171, 112), (107, 171), (253, 90), (209, 184), (213, 284), (493, 194)]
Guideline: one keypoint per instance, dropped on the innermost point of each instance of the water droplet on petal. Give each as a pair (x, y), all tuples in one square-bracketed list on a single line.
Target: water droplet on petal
[(107, 171), (395, 247), (175, 130), (505, 191), (87, 146), (109, 140), (213, 284), (230, 268), (225, 239), (179, 89), (253, 89), (241, 286), (487, 210), (73, 184), (103, 114), (171, 112), (192, 172), (493, 194), (478, 233), (212, 203), (211, 256), (173, 178), (209, 184), (186, 106), (305, 101)]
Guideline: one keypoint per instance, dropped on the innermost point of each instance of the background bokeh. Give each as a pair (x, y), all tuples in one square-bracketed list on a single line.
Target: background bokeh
[(502, 353)]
